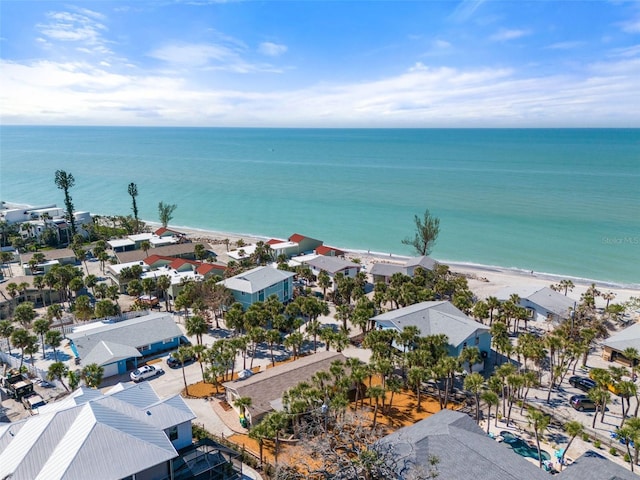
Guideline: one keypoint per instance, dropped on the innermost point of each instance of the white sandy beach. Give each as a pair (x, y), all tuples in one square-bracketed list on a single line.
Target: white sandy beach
[(483, 281)]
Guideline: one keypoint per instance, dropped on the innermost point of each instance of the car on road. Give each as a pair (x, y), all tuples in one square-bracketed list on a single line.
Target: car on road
[(173, 362), (582, 403), (583, 383), (147, 371)]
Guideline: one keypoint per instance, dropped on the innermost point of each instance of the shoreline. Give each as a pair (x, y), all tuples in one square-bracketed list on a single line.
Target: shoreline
[(483, 280)]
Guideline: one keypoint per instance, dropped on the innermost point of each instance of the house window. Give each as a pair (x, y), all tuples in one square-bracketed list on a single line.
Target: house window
[(144, 348), (172, 433), (477, 341), (261, 296)]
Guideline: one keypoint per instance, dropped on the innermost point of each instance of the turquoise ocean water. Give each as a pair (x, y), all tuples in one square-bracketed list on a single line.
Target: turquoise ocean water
[(559, 201)]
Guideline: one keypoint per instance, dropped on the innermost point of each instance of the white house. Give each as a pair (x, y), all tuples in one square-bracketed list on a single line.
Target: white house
[(542, 303), (127, 432)]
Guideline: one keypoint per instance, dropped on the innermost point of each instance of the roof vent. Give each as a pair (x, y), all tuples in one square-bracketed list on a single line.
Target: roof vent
[(148, 413)]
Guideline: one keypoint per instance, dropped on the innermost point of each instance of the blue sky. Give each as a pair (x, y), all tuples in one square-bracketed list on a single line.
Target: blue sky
[(476, 63)]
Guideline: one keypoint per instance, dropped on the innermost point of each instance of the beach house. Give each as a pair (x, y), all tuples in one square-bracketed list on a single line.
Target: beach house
[(258, 284), (382, 271), (439, 317), (332, 266), (613, 347), (465, 452), (117, 347), (266, 388), (542, 303), (128, 432)]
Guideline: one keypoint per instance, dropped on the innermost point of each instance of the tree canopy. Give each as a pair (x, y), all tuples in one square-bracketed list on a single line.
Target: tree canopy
[(427, 230)]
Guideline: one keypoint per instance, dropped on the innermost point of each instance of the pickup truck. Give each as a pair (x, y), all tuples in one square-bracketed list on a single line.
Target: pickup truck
[(33, 401), (17, 385)]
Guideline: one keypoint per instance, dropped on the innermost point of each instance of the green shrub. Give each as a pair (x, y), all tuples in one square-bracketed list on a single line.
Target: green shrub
[(627, 458), (613, 451), (596, 443), (585, 437)]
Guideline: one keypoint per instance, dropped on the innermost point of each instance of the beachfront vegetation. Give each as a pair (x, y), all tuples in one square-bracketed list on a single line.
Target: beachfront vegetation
[(165, 212), (65, 181), (132, 189), (427, 230)]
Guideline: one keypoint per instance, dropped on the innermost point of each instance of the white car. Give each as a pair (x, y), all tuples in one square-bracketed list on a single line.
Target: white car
[(145, 372)]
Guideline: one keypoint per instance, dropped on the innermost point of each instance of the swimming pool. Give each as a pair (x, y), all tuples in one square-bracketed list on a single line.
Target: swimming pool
[(522, 448)]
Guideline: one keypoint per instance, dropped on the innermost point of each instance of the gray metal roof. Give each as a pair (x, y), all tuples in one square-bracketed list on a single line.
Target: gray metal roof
[(422, 261), (331, 265), (593, 466), (81, 436), (463, 450), (117, 341), (545, 297), (627, 338), (387, 269), (433, 318), (256, 279)]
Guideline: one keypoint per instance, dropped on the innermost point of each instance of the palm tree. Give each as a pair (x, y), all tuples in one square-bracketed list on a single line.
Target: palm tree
[(277, 422), (21, 339), (473, 383), (6, 329), (470, 356), (163, 283), (40, 327), (39, 283), (273, 338), (165, 212), (53, 338), (57, 371), (294, 341), (133, 191), (313, 329), (242, 403), (416, 376), (145, 246), (92, 375), (376, 392), (65, 181), (490, 398), (539, 421), (196, 326), (182, 354), (573, 429)]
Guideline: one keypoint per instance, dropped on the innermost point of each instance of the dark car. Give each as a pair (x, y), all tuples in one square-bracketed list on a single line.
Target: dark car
[(173, 362), (583, 383), (582, 402)]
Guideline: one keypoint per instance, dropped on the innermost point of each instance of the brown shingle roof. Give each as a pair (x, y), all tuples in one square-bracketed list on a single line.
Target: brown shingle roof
[(265, 387)]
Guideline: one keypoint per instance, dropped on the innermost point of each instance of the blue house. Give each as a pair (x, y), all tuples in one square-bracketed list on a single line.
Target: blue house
[(435, 318), (258, 284), (118, 346)]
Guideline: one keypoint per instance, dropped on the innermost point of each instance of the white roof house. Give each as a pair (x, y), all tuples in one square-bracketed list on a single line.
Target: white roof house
[(121, 433), (439, 317), (543, 302), (383, 271), (259, 283), (111, 345), (333, 265)]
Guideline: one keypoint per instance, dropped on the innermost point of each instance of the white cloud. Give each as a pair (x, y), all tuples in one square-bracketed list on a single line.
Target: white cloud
[(272, 49), (631, 26), (505, 35), (193, 55), (565, 45), (72, 27), (441, 44), (422, 96)]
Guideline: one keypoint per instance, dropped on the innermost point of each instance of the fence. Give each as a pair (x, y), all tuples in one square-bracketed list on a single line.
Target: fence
[(32, 370)]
